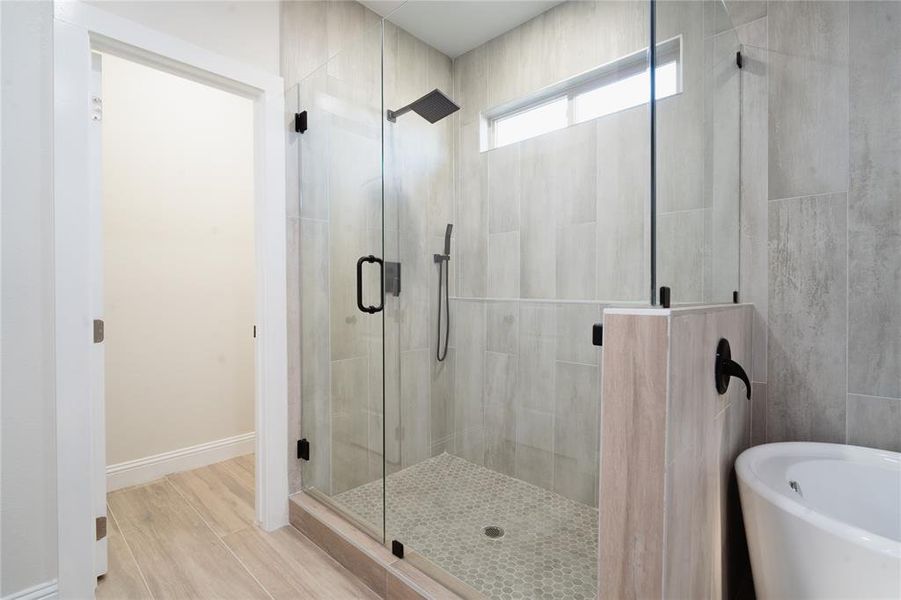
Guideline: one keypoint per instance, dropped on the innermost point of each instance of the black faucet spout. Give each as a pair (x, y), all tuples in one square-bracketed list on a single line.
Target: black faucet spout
[(726, 368), (733, 369)]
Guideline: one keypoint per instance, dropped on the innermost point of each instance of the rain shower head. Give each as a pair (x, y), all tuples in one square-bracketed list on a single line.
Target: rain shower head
[(432, 107)]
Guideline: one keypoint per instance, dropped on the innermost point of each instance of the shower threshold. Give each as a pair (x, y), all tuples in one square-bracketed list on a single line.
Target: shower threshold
[(502, 536)]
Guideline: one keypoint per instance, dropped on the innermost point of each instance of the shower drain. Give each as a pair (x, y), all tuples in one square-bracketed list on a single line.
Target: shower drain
[(493, 531)]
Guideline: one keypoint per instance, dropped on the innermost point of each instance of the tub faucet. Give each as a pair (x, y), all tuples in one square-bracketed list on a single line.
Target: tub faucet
[(726, 368)]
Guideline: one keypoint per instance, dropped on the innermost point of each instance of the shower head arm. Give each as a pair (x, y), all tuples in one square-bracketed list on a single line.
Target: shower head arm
[(393, 114)]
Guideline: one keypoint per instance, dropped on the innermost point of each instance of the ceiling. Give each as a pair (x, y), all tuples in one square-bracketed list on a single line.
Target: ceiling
[(456, 27)]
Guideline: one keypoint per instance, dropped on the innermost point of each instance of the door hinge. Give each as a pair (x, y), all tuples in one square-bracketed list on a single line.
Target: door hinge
[(739, 60), (300, 121), (254, 331), (303, 449), (597, 334), (397, 549), (98, 331), (100, 527), (96, 108)]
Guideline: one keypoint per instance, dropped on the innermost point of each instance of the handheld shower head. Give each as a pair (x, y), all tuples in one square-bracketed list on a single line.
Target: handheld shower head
[(447, 238)]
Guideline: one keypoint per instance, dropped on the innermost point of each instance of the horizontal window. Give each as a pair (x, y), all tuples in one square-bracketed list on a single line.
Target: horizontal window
[(607, 89)]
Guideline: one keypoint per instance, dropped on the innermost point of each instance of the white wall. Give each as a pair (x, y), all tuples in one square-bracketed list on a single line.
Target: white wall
[(28, 551), (28, 484), (246, 31), (179, 261)]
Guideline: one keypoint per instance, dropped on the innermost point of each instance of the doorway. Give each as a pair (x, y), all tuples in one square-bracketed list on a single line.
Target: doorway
[(80, 29), (173, 284), (177, 272)]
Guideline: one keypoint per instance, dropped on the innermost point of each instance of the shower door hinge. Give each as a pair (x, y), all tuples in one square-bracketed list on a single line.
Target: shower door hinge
[(738, 59), (98, 331), (735, 297), (100, 527), (397, 549), (597, 334), (300, 121), (303, 449), (665, 296)]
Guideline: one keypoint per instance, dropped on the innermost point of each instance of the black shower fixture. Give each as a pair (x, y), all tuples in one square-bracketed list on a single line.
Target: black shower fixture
[(725, 368), (432, 107)]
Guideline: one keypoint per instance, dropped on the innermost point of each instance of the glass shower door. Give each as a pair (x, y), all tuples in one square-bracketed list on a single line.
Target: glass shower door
[(341, 249)]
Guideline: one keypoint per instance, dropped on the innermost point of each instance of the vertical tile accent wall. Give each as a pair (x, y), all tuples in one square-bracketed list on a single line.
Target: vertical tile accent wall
[(821, 243)]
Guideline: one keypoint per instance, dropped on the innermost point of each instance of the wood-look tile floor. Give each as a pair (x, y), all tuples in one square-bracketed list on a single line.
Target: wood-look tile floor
[(191, 535)]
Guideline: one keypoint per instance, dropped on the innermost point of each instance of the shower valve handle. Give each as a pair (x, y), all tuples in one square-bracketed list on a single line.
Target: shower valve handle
[(725, 368)]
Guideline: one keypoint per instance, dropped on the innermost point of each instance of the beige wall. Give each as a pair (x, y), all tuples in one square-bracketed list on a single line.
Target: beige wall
[(179, 261)]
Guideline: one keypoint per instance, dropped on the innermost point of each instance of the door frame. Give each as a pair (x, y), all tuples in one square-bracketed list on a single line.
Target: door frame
[(79, 29)]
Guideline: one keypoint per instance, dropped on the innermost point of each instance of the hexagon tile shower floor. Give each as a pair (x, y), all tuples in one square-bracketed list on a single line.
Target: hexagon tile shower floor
[(441, 508)]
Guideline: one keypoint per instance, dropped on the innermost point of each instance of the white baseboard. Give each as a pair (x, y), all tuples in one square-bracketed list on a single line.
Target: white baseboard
[(49, 590), (143, 470)]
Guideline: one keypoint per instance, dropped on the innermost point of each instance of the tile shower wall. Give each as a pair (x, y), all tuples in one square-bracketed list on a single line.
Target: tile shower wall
[(548, 230), (419, 203), (562, 218), (333, 51), (821, 220), (698, 157)]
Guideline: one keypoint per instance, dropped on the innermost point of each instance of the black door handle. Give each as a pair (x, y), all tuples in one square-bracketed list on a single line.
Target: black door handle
[(726, 368), (381, 264)]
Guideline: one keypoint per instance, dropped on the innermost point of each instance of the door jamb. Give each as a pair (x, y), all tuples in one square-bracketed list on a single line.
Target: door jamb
[(78, 29)]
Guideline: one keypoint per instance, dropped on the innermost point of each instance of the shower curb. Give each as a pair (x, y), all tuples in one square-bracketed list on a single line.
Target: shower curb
[(385, 574)]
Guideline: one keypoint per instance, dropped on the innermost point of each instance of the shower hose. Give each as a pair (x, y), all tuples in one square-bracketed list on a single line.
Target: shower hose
[(443, 282)]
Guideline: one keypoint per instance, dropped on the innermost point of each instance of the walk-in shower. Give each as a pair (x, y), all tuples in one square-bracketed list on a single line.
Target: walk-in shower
[(431, 431)]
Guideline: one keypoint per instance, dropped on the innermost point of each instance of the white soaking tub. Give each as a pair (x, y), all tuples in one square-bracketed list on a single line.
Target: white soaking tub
[(822, 520)]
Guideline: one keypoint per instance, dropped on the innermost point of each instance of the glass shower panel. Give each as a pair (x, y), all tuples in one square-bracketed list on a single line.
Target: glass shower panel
[(697, 167), (519, 223), (339, 225)]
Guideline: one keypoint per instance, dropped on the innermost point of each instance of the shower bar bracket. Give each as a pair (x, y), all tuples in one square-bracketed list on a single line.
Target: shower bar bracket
[(392, 278)]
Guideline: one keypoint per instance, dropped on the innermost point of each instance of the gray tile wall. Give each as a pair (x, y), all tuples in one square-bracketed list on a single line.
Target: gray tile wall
[(547, 230), (333, 51), (698, 134), (562, 215), (821, 243), (527, 391)]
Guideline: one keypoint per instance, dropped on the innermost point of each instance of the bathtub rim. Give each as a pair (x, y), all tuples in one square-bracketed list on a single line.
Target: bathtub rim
[(744, 468)]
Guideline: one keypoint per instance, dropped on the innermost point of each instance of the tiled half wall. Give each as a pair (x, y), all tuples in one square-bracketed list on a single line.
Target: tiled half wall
[(670, 525)]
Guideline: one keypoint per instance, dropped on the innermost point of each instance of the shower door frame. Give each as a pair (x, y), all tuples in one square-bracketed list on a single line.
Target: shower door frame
[(78, 30)]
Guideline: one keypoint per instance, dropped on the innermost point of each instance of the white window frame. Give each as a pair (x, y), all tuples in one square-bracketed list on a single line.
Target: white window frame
[(668, 51)]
